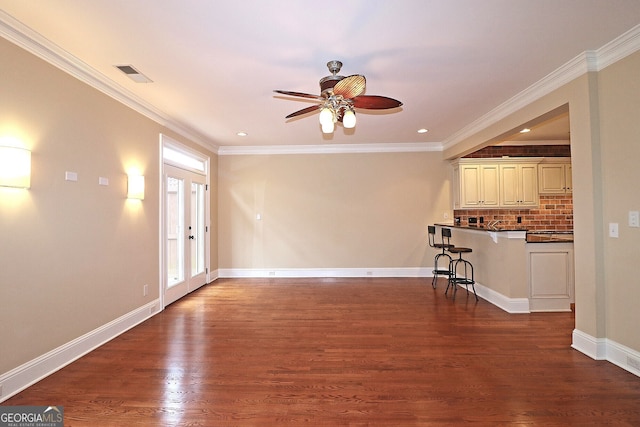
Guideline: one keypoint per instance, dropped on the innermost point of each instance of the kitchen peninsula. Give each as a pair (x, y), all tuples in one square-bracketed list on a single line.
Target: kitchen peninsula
[(516, 270)]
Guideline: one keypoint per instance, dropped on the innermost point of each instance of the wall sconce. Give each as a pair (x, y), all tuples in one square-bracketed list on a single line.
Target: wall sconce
[(15, 167), (135, 187)]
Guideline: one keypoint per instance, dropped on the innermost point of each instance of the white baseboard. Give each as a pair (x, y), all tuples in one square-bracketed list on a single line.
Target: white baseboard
[(595, 348), (606, 349), (23, 376), (324, 272), (510, 305)]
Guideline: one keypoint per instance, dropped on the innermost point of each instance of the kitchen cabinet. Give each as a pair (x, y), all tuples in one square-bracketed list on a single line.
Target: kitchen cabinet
[(478, 186), (519, 185), (550, 276), (554, 176), (495, 183)]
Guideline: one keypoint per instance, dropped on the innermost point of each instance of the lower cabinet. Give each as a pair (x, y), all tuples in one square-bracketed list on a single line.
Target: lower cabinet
[(550, 276)]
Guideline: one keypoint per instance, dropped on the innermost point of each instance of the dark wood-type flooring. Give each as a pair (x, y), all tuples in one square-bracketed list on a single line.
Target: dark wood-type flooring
[(340, 352)]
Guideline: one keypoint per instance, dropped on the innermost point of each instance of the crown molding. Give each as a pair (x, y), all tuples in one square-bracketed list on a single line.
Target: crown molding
[(407, 147), (29, 40), (619, 48), (588, 61)]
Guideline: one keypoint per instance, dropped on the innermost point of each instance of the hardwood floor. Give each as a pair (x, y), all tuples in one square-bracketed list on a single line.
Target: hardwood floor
[(340, 352)]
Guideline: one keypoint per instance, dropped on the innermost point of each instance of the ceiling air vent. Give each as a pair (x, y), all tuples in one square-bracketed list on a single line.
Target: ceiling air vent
[(134, 74)]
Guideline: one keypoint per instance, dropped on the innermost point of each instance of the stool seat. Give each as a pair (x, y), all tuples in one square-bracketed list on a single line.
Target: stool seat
[(442, 245), (459, 250)]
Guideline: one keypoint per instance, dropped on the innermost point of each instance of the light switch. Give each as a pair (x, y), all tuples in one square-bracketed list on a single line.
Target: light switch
[(613, 229), (634, 219)]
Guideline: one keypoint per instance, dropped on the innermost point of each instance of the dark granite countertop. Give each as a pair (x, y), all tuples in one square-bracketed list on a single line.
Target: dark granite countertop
[(483, 227), (531, 236)]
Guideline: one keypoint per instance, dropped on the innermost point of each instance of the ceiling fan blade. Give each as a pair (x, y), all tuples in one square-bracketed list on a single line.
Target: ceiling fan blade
[(351, 86), (303, 111), (300, 94), (375, 102)]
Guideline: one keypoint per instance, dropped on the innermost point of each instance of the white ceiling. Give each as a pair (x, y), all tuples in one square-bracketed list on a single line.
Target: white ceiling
[(215, 64)]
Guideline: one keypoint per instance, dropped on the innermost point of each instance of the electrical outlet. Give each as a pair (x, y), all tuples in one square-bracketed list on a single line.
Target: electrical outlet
[(634, 219), (145, 290)]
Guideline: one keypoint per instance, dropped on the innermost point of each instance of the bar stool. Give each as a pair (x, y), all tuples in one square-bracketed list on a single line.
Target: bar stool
[(460, 269), (444, 246)]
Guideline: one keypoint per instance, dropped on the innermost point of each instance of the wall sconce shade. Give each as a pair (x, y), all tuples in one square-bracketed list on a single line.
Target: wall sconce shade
[(15, 167), (135, 187)]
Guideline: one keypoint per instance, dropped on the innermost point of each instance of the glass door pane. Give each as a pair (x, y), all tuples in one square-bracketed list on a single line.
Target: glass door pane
[(175, 230), (197, 229)]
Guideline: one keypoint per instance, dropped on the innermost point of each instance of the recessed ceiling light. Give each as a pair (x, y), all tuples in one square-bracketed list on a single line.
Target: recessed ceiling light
[(525, 130), (423, 130), (242, 133)]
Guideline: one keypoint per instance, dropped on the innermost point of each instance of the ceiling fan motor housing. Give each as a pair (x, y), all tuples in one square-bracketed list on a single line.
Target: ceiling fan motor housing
[(327, 83)]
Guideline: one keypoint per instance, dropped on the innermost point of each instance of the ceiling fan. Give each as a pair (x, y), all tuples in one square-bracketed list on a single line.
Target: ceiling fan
[(339, 97)]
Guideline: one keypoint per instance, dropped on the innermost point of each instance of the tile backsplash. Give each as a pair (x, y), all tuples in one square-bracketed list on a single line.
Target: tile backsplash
[(555, 213)]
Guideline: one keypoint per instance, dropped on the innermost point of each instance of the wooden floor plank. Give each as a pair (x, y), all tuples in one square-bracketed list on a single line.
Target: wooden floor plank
[(340, 352)]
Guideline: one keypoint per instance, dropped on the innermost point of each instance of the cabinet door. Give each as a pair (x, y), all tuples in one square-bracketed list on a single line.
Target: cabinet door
[(489, 185), (528, 185), (568, 179), (551, 178), (470, 186), (509, 185)]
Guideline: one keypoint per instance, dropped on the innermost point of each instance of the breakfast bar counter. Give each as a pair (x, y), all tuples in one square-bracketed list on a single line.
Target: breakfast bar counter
[(519, 271)]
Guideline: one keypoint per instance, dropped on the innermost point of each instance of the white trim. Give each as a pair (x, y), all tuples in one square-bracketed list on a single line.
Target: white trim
[(619, 48), (23, 36), (407, 147), (623, 357), (27, 374), (595, 348), (324, 272), (606, 349), (510, 305)]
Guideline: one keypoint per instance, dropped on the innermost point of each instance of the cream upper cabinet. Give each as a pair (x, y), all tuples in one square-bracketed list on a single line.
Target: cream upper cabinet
[(519, 184), (554, 176), (479, 185), (495, 183)]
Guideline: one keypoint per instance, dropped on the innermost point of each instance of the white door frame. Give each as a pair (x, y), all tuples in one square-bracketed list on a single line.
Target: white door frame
[(192, 161)]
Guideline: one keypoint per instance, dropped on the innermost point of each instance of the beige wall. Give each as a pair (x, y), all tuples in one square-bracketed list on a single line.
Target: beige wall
[(620, 139), (330, 210), (74, 255)]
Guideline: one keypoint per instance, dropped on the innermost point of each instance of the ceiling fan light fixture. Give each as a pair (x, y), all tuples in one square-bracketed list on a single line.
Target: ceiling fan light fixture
[(328, 127), (326, 116), (349, 119)]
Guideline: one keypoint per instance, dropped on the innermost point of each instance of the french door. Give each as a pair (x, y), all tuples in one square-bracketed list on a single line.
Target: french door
[(184, 232)]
